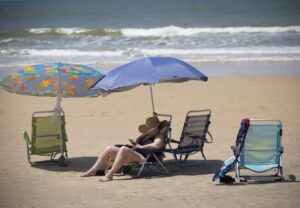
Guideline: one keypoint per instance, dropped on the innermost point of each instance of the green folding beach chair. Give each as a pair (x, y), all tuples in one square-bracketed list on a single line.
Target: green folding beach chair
[(261, 155), (48, 137)]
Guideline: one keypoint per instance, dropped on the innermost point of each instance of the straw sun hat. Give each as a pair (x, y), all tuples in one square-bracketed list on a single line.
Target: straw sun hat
[(152, 123)]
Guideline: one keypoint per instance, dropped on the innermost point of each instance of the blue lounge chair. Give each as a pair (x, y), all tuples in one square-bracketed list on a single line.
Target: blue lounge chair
[(262, 150), (258, 151), (230, 162)]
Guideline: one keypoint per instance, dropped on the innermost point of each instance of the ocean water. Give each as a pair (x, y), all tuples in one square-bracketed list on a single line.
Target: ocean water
[(117, 31)]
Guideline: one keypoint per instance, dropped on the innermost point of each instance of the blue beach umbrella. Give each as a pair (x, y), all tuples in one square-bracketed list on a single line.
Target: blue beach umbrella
[(147, 71)]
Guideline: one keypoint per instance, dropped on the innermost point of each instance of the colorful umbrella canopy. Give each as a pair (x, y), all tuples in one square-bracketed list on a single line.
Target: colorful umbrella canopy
[(147, 71), (55, 79), (69, 80)]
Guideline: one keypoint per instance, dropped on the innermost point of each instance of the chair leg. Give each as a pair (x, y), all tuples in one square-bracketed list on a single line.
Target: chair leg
[(28, 154), (203, 155), (281, 168), (237, 171), (186, 157), (142, 167), (161, 164), (281, 173)]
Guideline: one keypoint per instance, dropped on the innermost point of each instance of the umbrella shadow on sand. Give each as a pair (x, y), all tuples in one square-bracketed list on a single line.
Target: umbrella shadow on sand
[(206, 168), (74, 164), (81, 164)]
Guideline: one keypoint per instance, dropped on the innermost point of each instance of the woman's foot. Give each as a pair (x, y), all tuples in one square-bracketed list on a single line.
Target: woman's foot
[(105, 179), (89, 173)]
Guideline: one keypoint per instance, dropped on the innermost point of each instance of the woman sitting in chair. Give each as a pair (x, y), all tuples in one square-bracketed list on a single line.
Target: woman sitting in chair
[(152, 137)]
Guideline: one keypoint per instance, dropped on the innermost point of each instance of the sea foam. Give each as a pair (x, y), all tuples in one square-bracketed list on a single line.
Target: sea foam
[(167, 31), (180, 31), (234, 51), (60, 52)]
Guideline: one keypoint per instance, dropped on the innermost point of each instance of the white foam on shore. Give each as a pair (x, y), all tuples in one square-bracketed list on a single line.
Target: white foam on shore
[(60, 52), (167, 31), (158, 51), (224, 51), (8, 40), (64, 31), (180, 31), (40, 30), (238, 54)]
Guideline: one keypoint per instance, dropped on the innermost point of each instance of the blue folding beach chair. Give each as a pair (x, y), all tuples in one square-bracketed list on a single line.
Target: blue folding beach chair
[(262, 150), (257, 152), (230, 162)]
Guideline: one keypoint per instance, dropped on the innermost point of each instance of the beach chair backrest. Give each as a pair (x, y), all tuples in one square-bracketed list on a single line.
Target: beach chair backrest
[(240, 138), (262, 145), (46, 134), (168, 128), (195, 128)]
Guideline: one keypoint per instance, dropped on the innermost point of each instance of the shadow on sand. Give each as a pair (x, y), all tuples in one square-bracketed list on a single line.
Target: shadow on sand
[(287, 179), (81, 164), (75, 164)]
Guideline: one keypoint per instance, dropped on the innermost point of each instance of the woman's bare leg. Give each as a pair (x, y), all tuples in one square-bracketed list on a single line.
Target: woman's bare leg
[(110, 152), (125, 155)]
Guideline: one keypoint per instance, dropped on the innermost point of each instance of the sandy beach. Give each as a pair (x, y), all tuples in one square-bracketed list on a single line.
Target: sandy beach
[(93, 123), (249, 50)]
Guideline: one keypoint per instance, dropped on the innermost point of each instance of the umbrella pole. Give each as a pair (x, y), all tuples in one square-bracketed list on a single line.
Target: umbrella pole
[(59, 111), (152, 100)]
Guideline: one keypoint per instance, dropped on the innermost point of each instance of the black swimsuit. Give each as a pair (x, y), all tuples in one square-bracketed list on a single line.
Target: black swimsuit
[(145, 152)]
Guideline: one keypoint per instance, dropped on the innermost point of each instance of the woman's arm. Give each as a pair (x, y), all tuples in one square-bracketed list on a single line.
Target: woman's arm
[(157, 143)]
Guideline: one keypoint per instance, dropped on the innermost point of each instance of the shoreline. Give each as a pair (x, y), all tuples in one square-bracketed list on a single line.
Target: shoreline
[(213, 69)]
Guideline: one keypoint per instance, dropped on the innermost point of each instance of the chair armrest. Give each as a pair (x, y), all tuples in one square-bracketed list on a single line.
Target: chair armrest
[(122, 145), (281, 149), (26, 137), (66, 138), (174, 141), (210, 136), (148, 151), (233, 148)]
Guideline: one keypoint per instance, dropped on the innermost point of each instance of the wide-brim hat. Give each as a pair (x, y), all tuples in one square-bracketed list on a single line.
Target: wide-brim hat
[(151, 123)]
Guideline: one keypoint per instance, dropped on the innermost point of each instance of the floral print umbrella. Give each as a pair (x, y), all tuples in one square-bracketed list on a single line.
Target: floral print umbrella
[(55, 79), (71, 80)]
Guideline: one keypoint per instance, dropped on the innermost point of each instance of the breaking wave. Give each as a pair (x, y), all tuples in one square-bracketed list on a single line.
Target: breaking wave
[(200, 55), (150, 32)]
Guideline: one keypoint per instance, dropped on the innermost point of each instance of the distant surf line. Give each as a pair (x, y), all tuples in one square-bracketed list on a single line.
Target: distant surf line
[(150, 32), (241, 54)]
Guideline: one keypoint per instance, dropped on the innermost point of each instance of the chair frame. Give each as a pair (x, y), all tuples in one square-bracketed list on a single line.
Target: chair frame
[(194, 148), (63, 150), (279, 173)]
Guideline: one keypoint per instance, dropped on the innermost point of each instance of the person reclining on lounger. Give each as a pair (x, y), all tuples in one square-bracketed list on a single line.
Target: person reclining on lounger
[(152, 137)]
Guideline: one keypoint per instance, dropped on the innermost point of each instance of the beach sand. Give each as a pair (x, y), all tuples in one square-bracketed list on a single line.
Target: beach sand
[(93, 123)]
